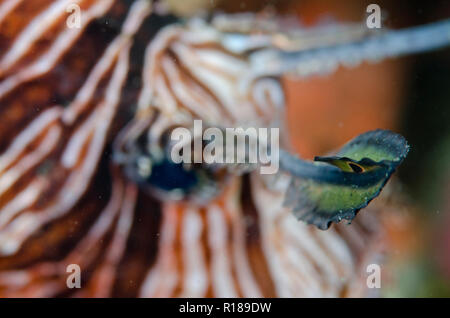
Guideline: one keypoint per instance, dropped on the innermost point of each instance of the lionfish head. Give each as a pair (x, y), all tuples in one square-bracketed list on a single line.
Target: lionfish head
[(193, 72)]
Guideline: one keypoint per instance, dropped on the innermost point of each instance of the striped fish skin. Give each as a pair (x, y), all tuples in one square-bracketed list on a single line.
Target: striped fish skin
[(64, 96)]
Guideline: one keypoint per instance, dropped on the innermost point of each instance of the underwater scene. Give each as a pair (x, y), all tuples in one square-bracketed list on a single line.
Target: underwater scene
[(224, 148)]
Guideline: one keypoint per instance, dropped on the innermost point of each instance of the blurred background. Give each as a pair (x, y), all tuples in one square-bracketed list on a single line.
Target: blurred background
[(408, 95)]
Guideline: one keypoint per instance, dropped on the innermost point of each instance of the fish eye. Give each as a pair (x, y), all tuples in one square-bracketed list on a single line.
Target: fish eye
[(153, 170), (162, 177)]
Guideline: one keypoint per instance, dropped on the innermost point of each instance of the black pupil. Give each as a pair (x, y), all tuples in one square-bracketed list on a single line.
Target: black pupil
[(355, 168), (168, 176)]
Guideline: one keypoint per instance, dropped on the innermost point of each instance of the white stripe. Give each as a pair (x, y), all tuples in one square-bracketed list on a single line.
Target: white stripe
[(195, 281), (8, 178), (162, 278), (221, 261), (49, 59), (22, 200), (190, 94), (35, 29), (6, 7), (76, 184), (244, 273), (27, 135)]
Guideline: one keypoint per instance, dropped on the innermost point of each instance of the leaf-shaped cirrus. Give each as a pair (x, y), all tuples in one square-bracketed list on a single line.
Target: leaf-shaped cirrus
[(335, 188)]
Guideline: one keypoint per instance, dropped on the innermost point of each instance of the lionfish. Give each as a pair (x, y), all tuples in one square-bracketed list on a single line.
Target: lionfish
[(85, 179)]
